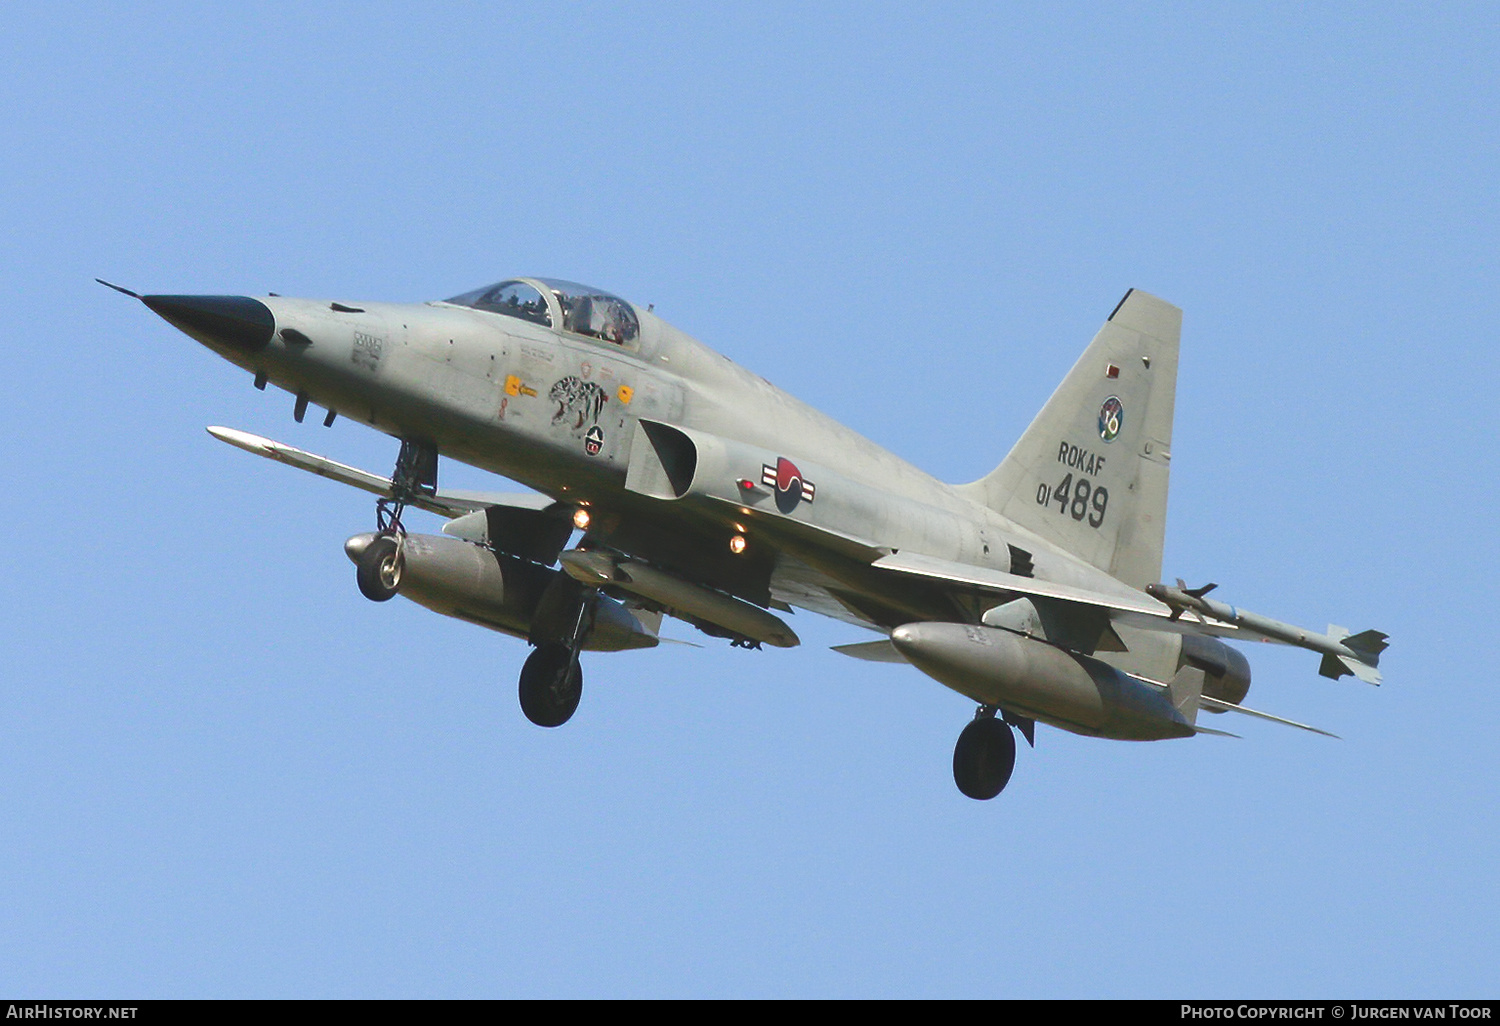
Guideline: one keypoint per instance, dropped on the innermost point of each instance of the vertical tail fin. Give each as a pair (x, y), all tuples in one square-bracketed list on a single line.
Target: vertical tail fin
[(1090, 473)]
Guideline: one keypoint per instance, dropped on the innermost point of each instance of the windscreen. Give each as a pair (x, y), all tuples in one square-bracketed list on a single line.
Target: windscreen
[(512, 298)]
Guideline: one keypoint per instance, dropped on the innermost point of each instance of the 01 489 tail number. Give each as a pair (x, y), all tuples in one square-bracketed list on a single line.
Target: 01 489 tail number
[(1076, 499)]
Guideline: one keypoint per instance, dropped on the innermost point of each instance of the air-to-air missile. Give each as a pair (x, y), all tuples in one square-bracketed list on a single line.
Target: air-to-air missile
[(1343, 653)]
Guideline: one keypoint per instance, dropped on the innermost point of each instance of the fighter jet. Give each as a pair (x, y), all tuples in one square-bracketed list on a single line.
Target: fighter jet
[(667, 480)]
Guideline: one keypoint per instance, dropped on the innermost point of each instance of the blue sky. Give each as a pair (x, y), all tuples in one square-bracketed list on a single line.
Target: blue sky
[(224, 773)]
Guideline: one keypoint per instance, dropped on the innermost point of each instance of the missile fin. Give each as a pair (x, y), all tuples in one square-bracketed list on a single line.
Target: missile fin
[(1335, 666), (1363, 671), (1370, 643)]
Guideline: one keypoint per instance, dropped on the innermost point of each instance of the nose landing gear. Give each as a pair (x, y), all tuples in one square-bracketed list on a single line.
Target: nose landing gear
[(378, 572)]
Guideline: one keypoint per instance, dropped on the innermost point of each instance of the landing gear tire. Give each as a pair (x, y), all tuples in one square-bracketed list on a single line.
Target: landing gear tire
[(378, 571), (984, 757), (551, 685)]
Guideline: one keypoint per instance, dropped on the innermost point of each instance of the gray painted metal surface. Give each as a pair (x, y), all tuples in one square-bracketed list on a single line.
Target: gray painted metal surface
[(699, 490)]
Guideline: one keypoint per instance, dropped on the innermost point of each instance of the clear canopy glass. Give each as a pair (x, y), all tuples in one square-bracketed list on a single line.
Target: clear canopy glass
[(512, 298), (585, 311), (588, 311)]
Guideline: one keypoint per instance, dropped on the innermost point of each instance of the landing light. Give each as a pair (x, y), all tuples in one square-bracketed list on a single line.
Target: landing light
[(737, 544), (581, 519)]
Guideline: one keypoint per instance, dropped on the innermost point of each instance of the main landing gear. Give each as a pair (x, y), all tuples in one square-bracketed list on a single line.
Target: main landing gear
[(378, 572), (551, 685), (985, 754), (551, 679)]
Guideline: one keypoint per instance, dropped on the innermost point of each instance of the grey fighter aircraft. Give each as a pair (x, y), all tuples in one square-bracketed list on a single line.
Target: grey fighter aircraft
[(668, 480)]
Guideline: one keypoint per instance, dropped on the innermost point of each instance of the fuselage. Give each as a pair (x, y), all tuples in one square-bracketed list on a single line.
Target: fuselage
[(556, 411), (705, 474)]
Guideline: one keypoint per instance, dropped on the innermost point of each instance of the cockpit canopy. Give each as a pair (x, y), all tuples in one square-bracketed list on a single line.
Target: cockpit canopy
[(512, 298), (583, 311)]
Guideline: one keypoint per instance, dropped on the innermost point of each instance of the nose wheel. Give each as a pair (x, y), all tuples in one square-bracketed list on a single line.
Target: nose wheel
[(378, 571), (984, 756)]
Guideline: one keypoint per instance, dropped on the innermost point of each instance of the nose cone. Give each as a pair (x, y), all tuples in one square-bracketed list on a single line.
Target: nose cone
[(236, 322)]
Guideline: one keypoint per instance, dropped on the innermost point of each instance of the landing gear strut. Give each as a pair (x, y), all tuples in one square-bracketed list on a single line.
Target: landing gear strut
[(984, 756), (378, 572), (551, 679)]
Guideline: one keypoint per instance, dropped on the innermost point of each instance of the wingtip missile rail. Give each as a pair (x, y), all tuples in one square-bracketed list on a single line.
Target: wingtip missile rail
[(1343, 653)]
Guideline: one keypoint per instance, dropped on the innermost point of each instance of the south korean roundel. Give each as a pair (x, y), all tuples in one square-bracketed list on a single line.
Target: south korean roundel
[(791, 487)]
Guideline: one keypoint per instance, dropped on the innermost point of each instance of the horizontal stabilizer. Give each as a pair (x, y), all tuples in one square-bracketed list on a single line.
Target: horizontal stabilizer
[(446, 504)]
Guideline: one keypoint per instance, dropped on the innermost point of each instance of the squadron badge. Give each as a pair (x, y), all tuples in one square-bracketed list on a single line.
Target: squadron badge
[(1111, 418)]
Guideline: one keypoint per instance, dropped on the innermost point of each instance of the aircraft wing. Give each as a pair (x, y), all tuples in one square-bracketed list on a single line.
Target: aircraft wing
[(837, 574), (1134, 607), (447, 504), (1343, 653)]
